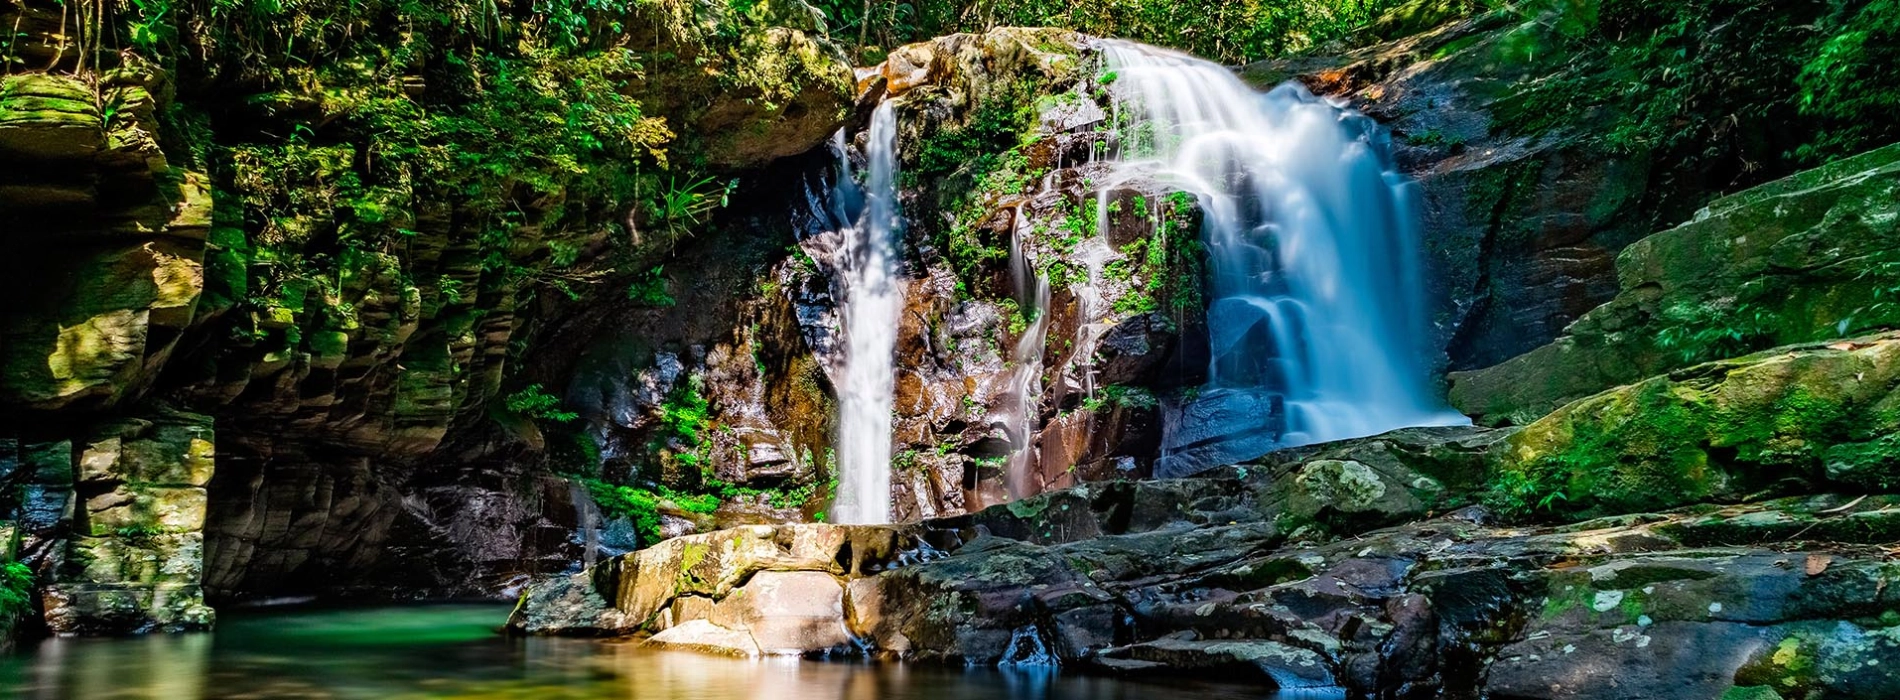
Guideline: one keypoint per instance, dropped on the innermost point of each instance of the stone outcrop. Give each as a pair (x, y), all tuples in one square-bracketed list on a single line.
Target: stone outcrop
[(1802, 259), (768, 83), (95, 318), (198, 241), (1187, 578), (135, 562), (1799, 418)]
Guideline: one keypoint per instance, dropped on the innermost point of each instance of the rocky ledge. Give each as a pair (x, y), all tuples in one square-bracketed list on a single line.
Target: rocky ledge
[(1250, 574)]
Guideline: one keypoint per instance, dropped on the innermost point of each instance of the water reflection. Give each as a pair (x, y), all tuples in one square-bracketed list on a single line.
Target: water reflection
[(452, 652)]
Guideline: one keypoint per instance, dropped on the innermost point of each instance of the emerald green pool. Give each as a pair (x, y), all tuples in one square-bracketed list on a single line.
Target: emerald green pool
[(452, 651)]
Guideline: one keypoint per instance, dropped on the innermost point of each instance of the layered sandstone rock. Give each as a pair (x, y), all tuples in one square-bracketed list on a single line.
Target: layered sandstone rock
[(331, 307)]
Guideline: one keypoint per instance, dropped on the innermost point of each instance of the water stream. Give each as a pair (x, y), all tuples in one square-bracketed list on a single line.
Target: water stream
[(1316, 323), (1024, 378), (874, 296)]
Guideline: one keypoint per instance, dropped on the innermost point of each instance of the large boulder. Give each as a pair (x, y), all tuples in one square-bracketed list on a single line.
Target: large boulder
[(1793, 419), (1801, 259), (1356, 485)]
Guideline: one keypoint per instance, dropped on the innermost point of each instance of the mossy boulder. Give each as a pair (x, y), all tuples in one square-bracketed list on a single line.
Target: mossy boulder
[(1803, 259), (1794, 419), (49, 117), (747, 84)]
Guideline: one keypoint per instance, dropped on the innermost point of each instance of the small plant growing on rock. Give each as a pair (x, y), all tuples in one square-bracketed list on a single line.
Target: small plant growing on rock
[(535, 402), (650, 289), (16, 592)]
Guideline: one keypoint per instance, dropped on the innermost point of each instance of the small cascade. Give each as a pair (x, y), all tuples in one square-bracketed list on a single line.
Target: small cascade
[(587, 519), (1027, 649), (1091, 309), (873, 298), (1317, 326), (1024, 381)]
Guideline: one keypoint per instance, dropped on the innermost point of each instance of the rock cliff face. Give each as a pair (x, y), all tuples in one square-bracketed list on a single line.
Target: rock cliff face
[(997, 136), (252, 300)]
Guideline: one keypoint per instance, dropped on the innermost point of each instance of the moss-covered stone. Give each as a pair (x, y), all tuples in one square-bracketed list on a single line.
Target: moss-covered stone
[(135, 562), (88, 335), (1720, 431), (49, 117), (1799, 260)]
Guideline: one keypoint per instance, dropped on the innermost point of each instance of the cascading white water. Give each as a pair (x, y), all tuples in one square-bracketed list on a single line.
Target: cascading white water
[(1024, 381), (587, 518), (1316, 324), (873, 299)]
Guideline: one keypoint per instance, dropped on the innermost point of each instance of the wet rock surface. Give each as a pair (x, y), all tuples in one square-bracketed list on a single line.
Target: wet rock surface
[(1193, 577), (982, 371)]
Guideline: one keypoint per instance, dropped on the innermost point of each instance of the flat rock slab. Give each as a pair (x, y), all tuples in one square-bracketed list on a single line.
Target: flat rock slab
[(703, 636)]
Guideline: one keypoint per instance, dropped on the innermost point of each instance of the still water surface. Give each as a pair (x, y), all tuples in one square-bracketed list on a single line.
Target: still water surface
[(452, 651)]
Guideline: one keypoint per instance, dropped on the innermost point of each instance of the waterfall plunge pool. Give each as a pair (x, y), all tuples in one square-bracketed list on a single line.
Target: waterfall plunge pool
[(454, 651)]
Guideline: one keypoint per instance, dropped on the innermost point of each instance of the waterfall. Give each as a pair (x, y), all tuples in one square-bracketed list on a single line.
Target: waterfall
[(1024, 381), (873, 299), (587, 519), (1316, 323)]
